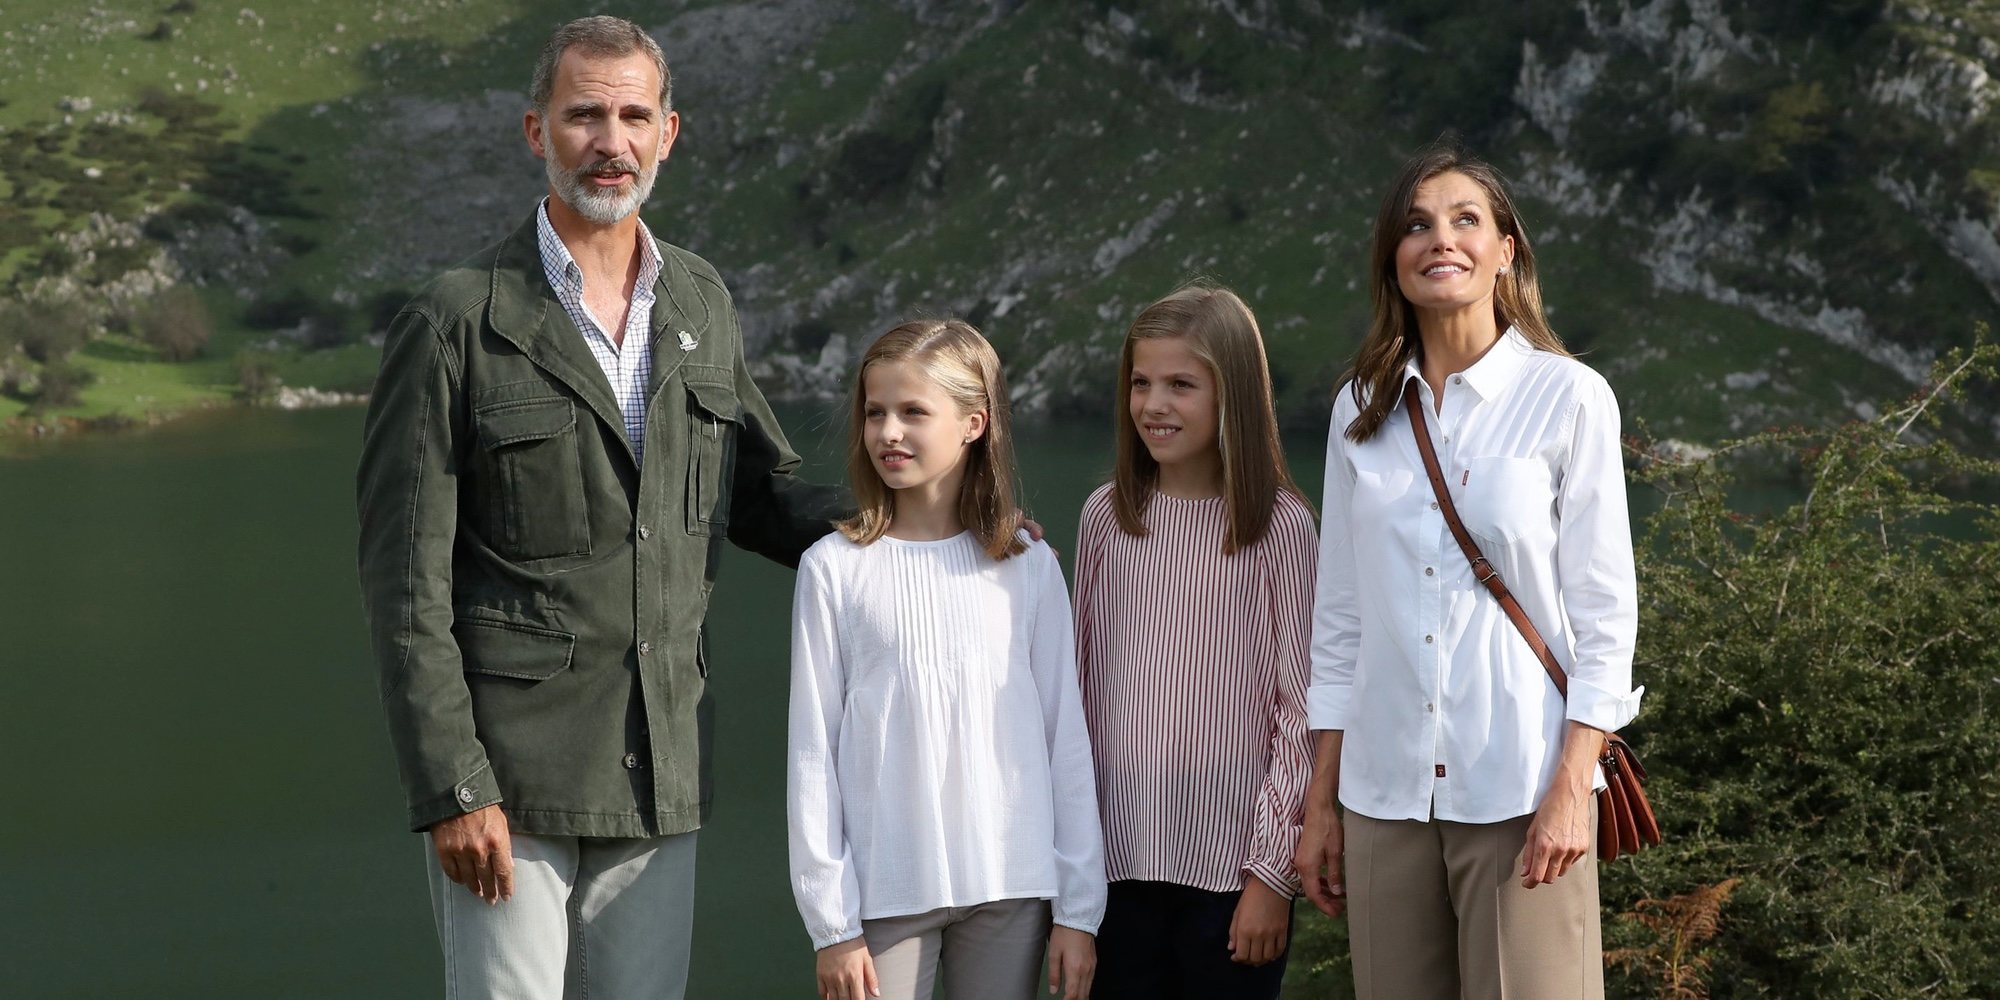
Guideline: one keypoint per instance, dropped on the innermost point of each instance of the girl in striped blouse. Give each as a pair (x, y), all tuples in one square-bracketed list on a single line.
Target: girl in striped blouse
[(1193, 606)]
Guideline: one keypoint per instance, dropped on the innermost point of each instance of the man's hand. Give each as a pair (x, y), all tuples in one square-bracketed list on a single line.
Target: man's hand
[(1072, 962), (846, 971), (476, 851), (1257, 931)]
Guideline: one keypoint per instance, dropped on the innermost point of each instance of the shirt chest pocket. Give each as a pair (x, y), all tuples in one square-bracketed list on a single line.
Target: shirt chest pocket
[(1508, 500), (533, 503), (714, 414)]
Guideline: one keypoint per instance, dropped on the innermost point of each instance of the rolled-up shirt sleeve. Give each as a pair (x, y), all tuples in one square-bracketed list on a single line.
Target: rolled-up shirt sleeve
[(1336, 619), (1594, 567)]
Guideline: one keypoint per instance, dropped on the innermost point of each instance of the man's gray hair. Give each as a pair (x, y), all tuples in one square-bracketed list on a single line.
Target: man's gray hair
[(602, 36)]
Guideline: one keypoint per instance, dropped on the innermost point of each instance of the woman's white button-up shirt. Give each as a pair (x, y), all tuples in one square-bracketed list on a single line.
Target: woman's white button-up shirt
[(1446, 712)]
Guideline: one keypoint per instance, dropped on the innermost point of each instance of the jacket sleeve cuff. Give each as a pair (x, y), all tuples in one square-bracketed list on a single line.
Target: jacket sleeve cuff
[(1602, 708), (1284, 883), (1327, 705), (471, 793)]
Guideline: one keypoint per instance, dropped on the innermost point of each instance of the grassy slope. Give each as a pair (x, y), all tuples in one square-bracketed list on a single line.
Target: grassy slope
[(1057, 151)]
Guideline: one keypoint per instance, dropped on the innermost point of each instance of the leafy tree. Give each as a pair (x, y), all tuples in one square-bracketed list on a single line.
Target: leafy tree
[(45, 332)]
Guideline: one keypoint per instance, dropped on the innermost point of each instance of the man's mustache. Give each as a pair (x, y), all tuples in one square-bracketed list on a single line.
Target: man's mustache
[(602, 168)]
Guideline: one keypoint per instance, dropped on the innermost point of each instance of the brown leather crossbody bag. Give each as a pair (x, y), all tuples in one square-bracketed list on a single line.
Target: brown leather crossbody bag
[(1625, 822)]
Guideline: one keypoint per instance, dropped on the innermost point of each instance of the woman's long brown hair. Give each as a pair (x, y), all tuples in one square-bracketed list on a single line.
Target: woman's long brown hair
[(1375, 377), (1220, 330)]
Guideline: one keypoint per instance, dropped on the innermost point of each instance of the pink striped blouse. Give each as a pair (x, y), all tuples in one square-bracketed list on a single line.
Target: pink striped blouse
[(1194, 668)]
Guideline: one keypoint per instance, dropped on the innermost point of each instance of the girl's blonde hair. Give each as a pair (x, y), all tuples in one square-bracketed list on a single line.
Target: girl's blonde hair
[(1376, 376), (1220, 330), (954, 357)]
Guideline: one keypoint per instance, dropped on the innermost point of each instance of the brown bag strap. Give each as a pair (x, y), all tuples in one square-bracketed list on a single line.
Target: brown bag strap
[(1481, 569)]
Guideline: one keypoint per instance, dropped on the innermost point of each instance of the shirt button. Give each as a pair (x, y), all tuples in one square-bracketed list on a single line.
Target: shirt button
[(465, 795), (1458, 380), (645, 648), (631, 761), (1429, 639), (645, 532), (1429, 571), (1434, 505), (1430, 707)]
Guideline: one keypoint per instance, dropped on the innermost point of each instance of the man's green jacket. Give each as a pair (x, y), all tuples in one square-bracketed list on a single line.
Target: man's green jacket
[(534, 595)]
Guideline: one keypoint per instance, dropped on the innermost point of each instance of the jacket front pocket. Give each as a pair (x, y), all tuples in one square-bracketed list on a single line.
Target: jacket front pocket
[(534, 502), (510, 649), (713, 415)]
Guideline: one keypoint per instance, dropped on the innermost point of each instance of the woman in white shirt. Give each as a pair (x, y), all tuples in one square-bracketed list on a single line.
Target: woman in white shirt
[(1463, 848)]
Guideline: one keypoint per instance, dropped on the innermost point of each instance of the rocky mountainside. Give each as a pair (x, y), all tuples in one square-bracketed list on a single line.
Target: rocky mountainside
[(1748, 213)]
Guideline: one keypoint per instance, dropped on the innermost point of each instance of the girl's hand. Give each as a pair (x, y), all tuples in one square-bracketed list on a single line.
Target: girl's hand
[(1072, 962), (846, 971), (1257, 931)]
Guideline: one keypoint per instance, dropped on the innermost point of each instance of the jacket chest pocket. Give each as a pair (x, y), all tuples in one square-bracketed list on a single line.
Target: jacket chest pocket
[(713, 417), (534, 500)]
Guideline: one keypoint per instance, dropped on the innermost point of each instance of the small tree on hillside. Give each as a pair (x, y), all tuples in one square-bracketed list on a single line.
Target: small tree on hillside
[(177, 324)]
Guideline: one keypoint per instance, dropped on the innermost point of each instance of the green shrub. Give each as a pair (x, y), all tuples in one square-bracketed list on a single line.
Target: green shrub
[(1821, 719), (62, 384)]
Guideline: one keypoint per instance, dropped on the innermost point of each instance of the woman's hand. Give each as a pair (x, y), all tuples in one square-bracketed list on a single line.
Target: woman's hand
[(1072, 962), (846, 971), (1318, 859), (1321, 841), (1559, 835), (1257, 931)]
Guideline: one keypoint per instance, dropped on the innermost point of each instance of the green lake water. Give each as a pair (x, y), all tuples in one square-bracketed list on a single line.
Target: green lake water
[(200, 798)]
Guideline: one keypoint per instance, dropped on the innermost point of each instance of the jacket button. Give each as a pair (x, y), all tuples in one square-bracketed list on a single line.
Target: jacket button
[(645, 532), (465, 795), (645, 648), (632, 760)]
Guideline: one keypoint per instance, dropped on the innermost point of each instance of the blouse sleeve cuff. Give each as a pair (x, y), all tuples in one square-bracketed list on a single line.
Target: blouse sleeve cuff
[(834, 937), (1600, 707), (1285, 883), (1086, 922), (1327, 705)]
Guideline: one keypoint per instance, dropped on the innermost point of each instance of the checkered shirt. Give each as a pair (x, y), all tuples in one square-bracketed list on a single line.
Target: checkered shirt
[(626, 366)]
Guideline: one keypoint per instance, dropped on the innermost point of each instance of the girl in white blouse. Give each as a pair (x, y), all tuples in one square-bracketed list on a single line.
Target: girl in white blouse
[(1463, 849), (1194, 578), (939, 791)]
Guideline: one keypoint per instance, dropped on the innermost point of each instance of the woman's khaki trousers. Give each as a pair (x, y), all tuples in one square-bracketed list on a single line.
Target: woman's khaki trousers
[(1436, 911)]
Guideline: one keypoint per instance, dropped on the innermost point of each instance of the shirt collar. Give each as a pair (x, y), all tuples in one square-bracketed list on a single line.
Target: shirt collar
[(559, 265), (1491, 374)]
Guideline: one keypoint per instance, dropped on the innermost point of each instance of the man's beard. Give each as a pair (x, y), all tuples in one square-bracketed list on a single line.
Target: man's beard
[(603, 207)]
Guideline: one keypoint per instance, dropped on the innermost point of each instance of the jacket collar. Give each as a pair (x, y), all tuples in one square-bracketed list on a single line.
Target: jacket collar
[(525, 312)]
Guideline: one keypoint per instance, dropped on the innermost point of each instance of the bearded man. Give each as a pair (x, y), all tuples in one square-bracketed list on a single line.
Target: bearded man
[(561, 436)]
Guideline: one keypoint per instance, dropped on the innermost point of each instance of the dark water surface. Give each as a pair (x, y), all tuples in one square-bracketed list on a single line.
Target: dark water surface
[(199, 795)]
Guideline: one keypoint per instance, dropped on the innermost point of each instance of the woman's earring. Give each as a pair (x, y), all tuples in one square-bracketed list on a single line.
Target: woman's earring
[(1503, 269)]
